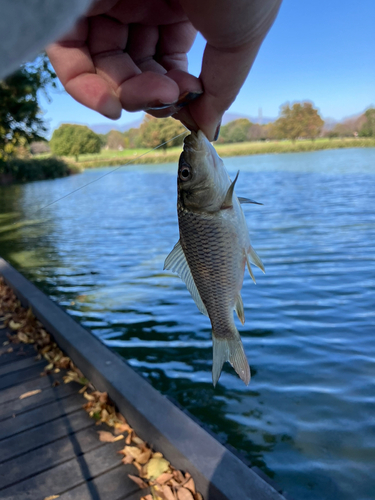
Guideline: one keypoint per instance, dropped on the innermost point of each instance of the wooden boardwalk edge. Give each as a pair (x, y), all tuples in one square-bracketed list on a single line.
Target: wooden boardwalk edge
[(218, 473)]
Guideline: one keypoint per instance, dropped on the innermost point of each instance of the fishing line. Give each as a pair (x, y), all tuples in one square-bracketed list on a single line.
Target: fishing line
[(107, 173)]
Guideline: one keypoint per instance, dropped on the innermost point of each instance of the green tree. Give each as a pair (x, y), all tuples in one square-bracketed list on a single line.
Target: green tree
[(74, 140), (236, 131), (20, 116), (155, 131), (368, 128), (300, 120)]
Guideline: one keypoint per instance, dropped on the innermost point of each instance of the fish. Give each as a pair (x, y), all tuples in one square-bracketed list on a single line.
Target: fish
[(214, 248)]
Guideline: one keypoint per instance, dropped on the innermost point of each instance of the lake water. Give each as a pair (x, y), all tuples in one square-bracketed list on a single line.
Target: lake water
[(308, 417)]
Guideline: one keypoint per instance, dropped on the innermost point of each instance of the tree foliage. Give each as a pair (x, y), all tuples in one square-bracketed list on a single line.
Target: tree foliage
[(236, 131), (115, 140), (301, 120), (74, 140), (368, 128), (156, 131), (20, 116)]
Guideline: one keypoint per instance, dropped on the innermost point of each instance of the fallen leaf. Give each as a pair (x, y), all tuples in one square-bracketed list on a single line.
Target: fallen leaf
[(138, 441), (132, 451), (24, 338), (165, 492), (184, 494), (144, 456), (13, 325), (147, 497), (89, 397), (198, 496), (108, 437), (190, 485), (177, 474), (138, 481), (164, 478), (156, 467), (30, 393), (52, 497)]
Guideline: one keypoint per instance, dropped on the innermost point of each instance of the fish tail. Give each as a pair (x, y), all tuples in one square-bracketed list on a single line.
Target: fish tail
[(229, 349)]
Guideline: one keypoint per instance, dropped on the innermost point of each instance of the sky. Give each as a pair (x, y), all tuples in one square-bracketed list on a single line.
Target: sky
[(317, 50)]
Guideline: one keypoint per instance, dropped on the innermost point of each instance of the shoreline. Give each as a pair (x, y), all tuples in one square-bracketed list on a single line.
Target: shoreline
[(224, 150)]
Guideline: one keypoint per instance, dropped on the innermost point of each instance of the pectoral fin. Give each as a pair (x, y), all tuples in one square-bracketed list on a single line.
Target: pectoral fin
[(228, 200), (176, 262), (239, 309)]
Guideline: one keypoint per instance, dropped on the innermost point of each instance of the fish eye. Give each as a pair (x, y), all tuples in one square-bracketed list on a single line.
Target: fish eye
[(185, 172)]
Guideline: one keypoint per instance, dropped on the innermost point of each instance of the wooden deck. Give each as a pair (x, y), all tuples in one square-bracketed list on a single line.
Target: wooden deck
[(48, 444)]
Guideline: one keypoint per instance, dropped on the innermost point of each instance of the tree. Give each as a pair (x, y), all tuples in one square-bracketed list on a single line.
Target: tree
[(236, 131), (155, 131), (368, 128), (115, 140), (20, 115), (300, 120), (74, 140)]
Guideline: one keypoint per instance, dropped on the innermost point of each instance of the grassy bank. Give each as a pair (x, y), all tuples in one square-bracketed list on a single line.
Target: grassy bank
[(171, 155), (27, 170)]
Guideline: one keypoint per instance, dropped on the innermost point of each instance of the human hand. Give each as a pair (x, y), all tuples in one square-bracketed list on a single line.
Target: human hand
[(132, 55)]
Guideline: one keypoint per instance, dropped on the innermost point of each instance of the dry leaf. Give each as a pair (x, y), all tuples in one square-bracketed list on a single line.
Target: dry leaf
[(177, 474), (144, 456), (52, 497), (30, 393), (147, 497), (198, 496), (89, 397), (13, 325), (24, 338), (156, 467), (165, 492), (138, 441), (108, 437), (190, 485), (138, 481), (184, 494), (164, 478)]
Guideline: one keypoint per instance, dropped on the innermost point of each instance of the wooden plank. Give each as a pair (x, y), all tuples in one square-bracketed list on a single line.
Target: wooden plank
[(30, 373), (40, 415), (49, 456), (66, 476), (13, 393), (18, 351), (113, 485), (49, 432), (48, 395), (19, 364)]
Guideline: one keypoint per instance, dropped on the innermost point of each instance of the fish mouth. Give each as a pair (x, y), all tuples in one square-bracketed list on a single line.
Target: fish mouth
[(196, 141)]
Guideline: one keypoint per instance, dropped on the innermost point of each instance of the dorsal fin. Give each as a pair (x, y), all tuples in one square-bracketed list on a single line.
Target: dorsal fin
[(228, 200)]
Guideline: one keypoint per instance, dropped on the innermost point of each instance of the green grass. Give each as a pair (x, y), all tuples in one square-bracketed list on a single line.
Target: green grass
[(171, 155)]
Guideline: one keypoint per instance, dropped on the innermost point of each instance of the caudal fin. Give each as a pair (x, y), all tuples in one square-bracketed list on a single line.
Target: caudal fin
[(229, 350)]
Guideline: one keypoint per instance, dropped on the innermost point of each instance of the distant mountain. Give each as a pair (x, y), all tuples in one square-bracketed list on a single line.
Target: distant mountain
[(229, 117), (104, 128)]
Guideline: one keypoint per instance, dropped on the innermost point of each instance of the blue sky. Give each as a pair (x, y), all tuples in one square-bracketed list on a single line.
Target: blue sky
[(320, 50)]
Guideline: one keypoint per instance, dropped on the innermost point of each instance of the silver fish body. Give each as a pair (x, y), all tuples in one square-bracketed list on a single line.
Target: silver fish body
[(213, 249)]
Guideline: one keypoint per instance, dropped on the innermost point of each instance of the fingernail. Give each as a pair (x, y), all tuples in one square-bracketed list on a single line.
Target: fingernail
[(156, 105), (111, 108), (216, 136), (187, 98)]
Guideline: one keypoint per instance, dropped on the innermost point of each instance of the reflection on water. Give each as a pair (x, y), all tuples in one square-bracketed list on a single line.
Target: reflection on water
[(307, 417)]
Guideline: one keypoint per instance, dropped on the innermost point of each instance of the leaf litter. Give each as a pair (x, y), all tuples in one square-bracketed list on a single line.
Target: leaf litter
[(155, 473)]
